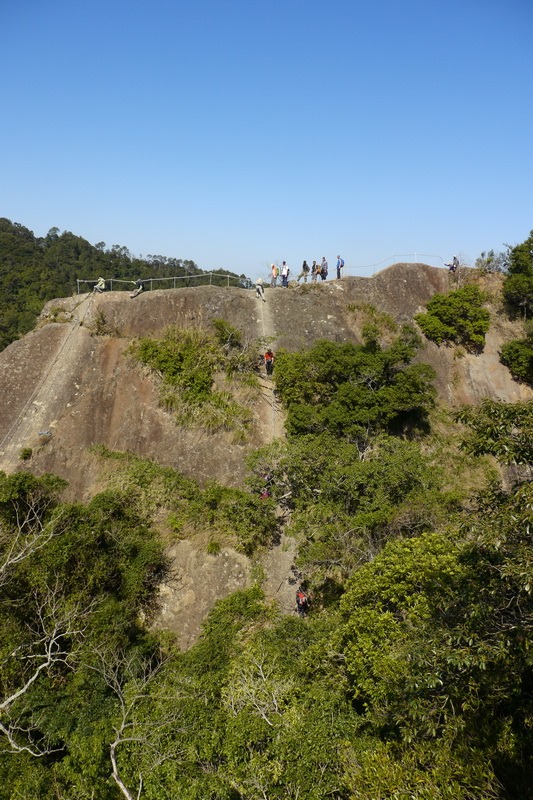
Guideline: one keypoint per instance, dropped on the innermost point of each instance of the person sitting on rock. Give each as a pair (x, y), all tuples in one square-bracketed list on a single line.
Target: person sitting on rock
[(99, 286), (140, 287)]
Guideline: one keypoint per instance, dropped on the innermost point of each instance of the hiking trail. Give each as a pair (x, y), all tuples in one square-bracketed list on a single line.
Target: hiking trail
[(278, 562)]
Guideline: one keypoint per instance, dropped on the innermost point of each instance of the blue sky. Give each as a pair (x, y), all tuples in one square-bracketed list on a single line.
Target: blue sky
[(239, 133)]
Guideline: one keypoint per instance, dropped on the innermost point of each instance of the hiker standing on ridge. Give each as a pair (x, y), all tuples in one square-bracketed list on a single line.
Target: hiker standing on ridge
[(340, 265), (274, 272), (285, 272), (324, 268), (304, 272)]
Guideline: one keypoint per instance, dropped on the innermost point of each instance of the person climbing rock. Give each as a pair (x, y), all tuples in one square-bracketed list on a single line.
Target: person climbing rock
[(269, 362), (259, 291), (302, 603)]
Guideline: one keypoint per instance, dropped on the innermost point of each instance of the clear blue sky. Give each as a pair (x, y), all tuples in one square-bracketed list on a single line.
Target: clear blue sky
[(236, 133)]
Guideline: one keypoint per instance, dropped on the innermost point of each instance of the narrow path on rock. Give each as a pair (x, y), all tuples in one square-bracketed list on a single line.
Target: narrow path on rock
[(278, 563)]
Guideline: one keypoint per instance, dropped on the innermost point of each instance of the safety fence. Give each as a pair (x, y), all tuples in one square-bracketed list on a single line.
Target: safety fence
[(203, 279), (206, 278), (370, 269)]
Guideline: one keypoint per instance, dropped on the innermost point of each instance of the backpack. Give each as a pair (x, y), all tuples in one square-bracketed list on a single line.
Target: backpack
[(341, 265), (277, 272)]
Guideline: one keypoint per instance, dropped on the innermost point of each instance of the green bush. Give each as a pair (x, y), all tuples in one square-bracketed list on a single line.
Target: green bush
[(518, 286), (518, 358), (457, 317)]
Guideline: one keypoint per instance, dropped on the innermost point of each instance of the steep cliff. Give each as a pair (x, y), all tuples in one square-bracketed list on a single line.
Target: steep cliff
[(70, 384)]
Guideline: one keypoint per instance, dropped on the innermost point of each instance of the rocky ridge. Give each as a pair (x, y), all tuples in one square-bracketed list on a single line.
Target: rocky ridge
[(70, 384)]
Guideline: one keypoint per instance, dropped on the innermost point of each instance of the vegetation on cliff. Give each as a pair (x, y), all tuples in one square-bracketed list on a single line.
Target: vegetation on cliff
[(517, 355), (191, 362)]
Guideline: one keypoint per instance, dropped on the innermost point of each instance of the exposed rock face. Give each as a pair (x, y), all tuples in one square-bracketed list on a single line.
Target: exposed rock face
[(65, 388)]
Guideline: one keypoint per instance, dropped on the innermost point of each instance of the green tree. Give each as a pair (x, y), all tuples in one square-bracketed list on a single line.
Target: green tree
[(493, 262), (354, 391), (518, 286), (435, 648)]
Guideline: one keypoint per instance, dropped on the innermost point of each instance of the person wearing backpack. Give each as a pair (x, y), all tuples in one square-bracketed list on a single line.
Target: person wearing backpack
[(340, 265), (269, 361), (259, 291), (285, 272), (324, 268)]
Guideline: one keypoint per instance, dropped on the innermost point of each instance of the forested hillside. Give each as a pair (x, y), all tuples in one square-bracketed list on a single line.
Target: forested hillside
[(33, 270), (400, 487)]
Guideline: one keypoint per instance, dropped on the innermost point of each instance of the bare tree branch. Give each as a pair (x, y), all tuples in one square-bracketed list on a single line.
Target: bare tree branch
[(54, 632)]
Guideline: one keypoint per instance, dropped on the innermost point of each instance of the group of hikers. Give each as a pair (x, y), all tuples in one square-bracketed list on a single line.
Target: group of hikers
[(315, 271)]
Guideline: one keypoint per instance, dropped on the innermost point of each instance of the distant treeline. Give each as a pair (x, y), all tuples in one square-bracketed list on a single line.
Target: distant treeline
[(36, 269)]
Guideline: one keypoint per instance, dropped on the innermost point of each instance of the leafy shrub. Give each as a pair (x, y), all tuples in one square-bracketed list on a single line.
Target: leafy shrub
[(518, 358), (375, 323), (456, 317)]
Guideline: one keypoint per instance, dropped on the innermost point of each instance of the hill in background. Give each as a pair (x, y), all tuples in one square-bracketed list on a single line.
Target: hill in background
[(36, 269)]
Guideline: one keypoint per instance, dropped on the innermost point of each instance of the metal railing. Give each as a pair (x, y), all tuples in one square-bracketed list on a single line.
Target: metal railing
[(361, 269), (206, 278), (203, 279)]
